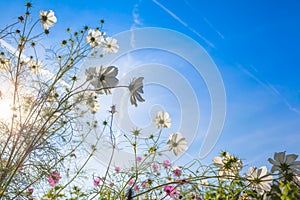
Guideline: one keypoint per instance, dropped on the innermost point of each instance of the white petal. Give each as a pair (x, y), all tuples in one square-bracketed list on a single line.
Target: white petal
[(279, 157), (264, 171), (166, 115), (291, 158), (217, 160)]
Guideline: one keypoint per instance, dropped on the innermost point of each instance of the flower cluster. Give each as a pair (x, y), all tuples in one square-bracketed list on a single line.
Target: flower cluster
[(176, 142), (44, 131), (97, 39), (43, 143)]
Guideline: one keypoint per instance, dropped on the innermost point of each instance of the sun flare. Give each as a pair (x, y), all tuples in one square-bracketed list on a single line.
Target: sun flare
[(5, 109)]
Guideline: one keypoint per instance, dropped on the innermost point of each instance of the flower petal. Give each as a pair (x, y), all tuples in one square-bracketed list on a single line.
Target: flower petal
[(291, 158), (279, 157)]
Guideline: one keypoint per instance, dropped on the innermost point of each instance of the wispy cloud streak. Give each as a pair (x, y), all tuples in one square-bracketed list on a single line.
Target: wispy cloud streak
[(205, 20), (188, 4), (271, 88), (213, 28), (136, 22), (136, 15), (178, 19)]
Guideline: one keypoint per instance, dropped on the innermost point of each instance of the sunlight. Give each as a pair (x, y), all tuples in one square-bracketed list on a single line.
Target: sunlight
[(5, 109)]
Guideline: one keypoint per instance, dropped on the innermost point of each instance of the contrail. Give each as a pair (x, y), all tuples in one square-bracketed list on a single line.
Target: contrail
[(213, 28), (205, 20), (183, 23), (267, 85)]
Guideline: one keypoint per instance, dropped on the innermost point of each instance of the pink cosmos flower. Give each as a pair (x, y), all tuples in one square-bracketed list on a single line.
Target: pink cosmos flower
[(177, 172), (30, 190), (171, 191), (54, 178), (138, 158), (166, 163), (117, 169), (155, 166), (144, 184), (131, 182), (97, 181), (136, 188)]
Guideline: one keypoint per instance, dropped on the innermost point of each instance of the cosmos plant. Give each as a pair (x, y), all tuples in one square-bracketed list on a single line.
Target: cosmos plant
[(51, 112)]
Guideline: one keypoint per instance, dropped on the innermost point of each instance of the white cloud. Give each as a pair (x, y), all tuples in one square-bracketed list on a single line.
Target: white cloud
[(136, 22)]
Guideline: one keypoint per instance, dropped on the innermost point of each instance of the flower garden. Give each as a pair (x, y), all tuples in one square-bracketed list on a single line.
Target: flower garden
[(44, 151)]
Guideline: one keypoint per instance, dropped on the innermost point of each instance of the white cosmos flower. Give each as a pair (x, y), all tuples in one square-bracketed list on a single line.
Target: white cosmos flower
[(91, 102), (135, 88), (4, 64), (103, 80), (177, 143), (259, 180), (52, 96), (95, 38), (162, 120), (91, 73), (286, 165), (28, 101), (34, 66), (228, 165), (89, 98), (110, 45), (47, 18), (284, 162)]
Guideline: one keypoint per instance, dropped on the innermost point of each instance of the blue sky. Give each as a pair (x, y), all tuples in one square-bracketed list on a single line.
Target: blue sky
[(254, 44)]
